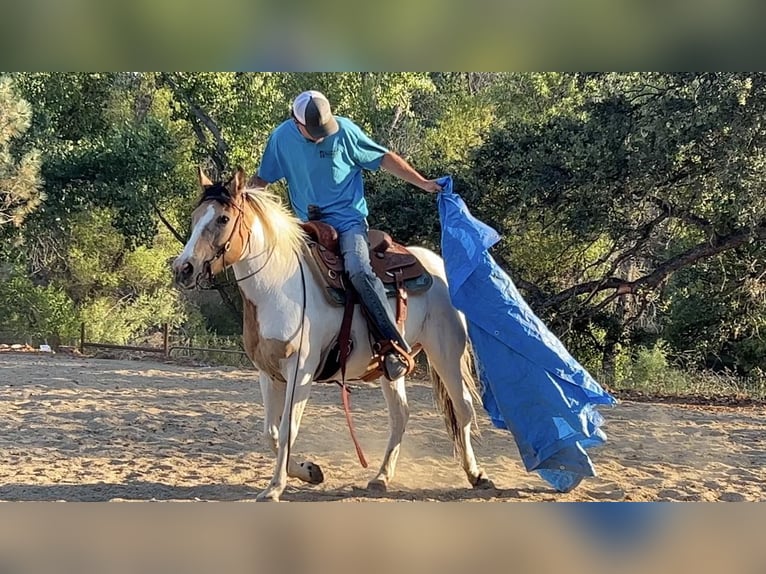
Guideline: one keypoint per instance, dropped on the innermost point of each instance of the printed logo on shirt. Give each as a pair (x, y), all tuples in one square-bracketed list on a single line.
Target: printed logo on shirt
[(328, 154)]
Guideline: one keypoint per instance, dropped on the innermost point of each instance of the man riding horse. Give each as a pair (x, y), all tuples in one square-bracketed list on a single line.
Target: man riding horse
[(321, 157)]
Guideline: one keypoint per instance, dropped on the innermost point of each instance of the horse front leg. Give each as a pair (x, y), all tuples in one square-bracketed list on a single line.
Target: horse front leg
[(273, 405), (296, 396), (398, 415)]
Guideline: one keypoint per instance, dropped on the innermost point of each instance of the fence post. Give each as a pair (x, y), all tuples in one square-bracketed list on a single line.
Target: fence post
[(166, 339), (82, 338)]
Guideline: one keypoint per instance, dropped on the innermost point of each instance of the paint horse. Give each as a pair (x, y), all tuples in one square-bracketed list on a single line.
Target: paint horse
[(291, 326)]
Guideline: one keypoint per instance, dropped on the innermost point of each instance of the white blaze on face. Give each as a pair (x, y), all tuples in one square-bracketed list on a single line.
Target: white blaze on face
[(202, 223)]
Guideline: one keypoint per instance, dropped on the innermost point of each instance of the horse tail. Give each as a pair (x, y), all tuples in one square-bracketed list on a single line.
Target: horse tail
[(444, 403)]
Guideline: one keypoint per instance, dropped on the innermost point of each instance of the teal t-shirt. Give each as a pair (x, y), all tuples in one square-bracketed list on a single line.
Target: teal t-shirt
[(327, 174)]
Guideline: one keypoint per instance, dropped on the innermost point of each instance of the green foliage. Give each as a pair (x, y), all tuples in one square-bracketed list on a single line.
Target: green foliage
[(108, 141), (146, 269), (609, 167), (715, 313), (649, 365), (123, 321), (461, 127), (98, 259), (621, 180), (19, 177), (36, 313), (651, 371), (646, 182), (95, 253), (122, 293)]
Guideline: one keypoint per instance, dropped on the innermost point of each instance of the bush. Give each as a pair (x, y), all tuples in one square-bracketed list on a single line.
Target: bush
[(123, 321), (652, 372), (649, 365), (36, 314)]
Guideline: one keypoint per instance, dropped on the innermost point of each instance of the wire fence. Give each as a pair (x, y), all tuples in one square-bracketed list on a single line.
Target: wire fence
[(172, 345), (167, 349)]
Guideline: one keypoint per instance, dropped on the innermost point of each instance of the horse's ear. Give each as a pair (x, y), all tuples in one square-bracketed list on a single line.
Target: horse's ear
[(204, 181), (238, 182)]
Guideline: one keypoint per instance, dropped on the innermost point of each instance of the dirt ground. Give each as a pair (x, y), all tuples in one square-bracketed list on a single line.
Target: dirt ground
[(82, 429)]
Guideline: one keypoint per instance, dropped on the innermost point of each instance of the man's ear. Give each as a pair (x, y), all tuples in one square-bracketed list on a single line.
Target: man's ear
[(204, 181)]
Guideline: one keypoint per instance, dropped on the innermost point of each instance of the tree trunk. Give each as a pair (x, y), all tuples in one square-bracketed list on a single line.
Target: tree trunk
[(609, 360)]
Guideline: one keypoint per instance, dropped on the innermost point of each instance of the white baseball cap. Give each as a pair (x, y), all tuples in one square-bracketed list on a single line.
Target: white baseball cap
[(312, 110)]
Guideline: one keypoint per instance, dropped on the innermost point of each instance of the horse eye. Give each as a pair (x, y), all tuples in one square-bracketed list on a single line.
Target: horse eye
[(223, 219)]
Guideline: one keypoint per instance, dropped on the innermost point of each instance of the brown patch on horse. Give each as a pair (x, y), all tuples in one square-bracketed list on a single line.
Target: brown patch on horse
[(265, 353), (245, 218), (227, 199)]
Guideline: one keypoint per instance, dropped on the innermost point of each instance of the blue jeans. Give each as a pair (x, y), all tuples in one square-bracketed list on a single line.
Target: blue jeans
[(355, 249)]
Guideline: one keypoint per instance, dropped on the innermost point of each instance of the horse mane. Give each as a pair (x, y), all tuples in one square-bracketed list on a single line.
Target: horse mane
[(282, 233), (282, 230)]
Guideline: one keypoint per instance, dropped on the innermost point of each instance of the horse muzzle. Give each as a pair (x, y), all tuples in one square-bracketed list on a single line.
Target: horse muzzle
[(185, 274)]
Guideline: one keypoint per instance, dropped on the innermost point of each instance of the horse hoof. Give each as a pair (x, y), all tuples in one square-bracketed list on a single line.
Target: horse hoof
[(377, 486), (483, 483), (315, 474), (267, 495)]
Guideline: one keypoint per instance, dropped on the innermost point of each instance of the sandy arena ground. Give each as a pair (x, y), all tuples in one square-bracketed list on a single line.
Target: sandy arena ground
[(78, 429)]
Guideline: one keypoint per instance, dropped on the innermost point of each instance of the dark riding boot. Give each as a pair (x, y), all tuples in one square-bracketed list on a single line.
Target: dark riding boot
[(373, 295), (395, 366)]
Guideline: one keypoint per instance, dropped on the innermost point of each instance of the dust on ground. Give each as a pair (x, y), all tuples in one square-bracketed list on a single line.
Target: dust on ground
[(83, 429)]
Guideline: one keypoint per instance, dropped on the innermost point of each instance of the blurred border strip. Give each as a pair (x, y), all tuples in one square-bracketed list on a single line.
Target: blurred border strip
[(481, 35), (370, 538)]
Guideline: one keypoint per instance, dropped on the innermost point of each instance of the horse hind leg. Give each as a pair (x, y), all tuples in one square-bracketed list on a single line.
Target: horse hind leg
[(398, 415), (455, 392)]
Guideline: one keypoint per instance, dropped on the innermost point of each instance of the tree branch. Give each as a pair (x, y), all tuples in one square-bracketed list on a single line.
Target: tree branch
[(582, 288), (220, 155), (398, 111), (701, 251), (651, 280), (167, 224), (683, 214)]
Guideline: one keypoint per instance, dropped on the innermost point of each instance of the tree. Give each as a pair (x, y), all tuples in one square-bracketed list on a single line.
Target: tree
[(622, 180), (714, 313), (112, 161), (109, 141), (20, 191)]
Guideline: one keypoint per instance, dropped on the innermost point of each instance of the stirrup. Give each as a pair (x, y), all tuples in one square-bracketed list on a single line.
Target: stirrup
[(387, 347)]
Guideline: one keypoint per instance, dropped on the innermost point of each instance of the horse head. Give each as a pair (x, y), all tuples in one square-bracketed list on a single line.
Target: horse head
[(220, 230)]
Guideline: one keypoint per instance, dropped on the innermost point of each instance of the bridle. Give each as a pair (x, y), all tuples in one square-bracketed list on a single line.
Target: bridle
[(224, 249)]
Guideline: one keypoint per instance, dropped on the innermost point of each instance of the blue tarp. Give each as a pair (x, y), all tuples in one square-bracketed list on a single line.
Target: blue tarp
[(531, 385)]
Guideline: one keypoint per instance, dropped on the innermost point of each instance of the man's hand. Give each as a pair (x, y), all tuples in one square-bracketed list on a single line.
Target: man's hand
[(431, 186), (393, 163)]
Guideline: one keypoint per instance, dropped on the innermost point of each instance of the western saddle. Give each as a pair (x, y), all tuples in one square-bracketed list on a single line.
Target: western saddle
[(399, 270)]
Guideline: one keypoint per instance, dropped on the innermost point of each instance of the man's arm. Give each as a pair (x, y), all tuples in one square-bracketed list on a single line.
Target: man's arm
[(271, 165), (256, 182), (396, 165)]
